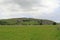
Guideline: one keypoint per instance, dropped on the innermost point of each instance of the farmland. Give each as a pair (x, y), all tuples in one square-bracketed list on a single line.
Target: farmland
[(29, 32)]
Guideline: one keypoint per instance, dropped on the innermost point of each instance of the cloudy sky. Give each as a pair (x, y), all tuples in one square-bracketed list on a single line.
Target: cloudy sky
[(42, 9)]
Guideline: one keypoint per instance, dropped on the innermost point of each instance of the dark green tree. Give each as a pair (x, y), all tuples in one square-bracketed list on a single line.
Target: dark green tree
[(54, 23)]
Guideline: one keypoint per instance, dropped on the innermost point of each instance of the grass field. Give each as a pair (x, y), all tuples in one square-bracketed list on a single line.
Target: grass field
[(32, 32)]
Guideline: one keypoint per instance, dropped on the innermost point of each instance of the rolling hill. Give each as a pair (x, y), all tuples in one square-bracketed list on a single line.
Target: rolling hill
[(26, 21)]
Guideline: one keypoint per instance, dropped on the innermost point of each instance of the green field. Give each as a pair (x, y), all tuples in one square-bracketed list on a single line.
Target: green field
[(29, 32)]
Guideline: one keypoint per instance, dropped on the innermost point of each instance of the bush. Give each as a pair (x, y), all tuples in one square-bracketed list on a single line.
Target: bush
[(54, 23), (3, 23)]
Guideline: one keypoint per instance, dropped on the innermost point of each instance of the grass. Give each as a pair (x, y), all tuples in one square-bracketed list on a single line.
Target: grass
[(32, 32)]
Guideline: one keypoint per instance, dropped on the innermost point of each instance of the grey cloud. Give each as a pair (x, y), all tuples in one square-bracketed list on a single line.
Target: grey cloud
[(27, 4), (6, 1)]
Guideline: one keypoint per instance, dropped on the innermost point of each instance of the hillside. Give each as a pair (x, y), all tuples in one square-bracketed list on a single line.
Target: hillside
[(26, 21)]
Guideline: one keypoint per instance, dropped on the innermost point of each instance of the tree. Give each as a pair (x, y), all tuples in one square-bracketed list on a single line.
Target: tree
[(54, 23)]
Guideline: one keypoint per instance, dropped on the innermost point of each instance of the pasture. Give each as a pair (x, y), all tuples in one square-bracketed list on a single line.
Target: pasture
[(29, 32)]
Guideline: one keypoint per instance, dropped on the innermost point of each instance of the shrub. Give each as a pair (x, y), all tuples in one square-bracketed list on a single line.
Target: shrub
[(54, 23)]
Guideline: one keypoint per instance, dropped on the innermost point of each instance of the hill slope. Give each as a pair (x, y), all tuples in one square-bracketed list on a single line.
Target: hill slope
[(25, 21)]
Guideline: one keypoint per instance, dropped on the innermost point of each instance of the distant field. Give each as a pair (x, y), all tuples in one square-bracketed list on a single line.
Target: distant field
[(32, 32)]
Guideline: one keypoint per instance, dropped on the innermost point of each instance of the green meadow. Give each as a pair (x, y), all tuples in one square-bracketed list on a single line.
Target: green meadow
[(29, 32)]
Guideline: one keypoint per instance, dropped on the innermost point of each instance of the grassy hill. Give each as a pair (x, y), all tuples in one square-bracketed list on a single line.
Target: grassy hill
[(25, 21)]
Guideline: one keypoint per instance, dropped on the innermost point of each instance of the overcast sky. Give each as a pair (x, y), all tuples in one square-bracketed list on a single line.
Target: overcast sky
[(43, 9)]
